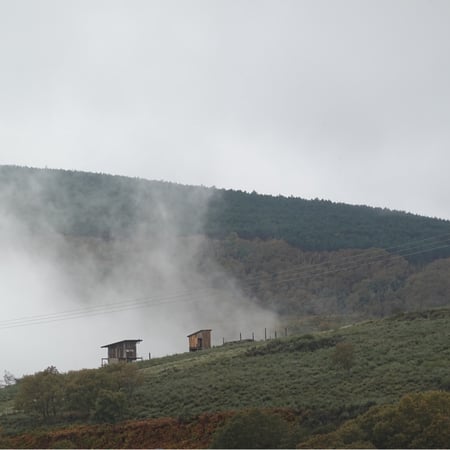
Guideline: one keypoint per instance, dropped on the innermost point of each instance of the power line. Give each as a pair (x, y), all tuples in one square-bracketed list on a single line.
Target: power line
[(369, 256), (312, 271), (152, 301), (309, 274), (101, 309)]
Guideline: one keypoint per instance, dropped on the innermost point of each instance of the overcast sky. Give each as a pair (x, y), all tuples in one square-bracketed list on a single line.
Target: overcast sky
[(343, 100)]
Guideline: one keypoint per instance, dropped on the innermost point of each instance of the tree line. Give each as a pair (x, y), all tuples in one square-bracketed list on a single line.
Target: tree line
[(370, 283)]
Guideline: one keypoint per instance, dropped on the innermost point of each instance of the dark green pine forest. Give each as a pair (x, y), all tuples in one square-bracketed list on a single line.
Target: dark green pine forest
[(100, 205)]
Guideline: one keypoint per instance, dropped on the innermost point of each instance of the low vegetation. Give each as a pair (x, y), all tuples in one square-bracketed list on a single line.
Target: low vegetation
[(305, 379), (253, 429), (420, 420)]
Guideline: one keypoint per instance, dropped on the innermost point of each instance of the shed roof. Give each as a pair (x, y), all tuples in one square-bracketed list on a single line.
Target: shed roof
[(122, 342), (199, 331)]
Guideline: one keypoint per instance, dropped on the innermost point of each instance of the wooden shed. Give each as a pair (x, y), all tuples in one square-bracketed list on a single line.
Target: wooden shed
[(199, 340), (121, 351)]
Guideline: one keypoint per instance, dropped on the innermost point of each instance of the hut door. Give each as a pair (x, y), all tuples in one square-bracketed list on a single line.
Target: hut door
[(200, 343)]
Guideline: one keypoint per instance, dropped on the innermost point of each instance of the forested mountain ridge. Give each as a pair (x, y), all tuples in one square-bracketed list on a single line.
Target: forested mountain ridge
[(99, 205), (292, 256)]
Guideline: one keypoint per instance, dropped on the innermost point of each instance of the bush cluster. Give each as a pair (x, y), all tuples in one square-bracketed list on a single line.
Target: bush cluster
[(103, 395)]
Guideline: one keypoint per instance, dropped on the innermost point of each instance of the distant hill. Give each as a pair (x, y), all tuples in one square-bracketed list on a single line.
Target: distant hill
[(99, 205), (293, 256)]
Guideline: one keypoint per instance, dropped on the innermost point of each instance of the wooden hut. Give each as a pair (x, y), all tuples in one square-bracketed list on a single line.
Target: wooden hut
[(199, 340), (122, 351)]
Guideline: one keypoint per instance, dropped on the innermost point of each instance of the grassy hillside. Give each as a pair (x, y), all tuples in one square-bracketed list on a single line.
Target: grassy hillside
[(392, 357)]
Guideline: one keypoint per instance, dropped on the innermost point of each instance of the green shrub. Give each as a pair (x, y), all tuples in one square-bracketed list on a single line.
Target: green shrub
[(109, 406), (252, 429), (417, 421), (344, 355)]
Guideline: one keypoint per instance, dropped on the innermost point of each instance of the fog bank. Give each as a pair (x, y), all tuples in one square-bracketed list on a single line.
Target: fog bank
[(65, 296)]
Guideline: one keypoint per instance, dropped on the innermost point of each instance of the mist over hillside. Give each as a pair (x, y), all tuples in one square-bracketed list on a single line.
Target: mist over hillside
[(82, 270), (89, 259)]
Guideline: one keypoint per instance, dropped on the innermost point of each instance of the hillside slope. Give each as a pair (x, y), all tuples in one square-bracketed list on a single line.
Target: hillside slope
[(369, 282), (299, 257), (391, 357)]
